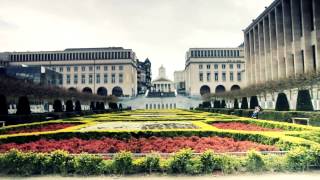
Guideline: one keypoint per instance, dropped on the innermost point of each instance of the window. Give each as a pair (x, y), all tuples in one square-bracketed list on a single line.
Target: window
[(208, 66), (113, 68), (200, 66), (105, 68), (90, 79), (231, 76), (231, 66), (216, 66), (223, 66), (61, 69), (224, 76), (98, 68), (201, 77), (75, 79), (68, 68), (105, 78), (68, 78), (75, 68), (113, 78), (239, 76), (121, 67), (90, 68), (239, 66), (208, 76), (98, 78), (83, 68), (216, 76), (120, 78), (54, 68), (83, 79)]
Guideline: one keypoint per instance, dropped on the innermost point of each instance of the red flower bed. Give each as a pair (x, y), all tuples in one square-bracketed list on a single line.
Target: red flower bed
[(242, 126), (40, 128), (141, 145)]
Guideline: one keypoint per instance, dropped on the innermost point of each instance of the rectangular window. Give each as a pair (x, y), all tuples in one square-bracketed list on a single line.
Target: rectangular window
[(201, 77), (113, 68), (121, 68), (105, 78), (61, 69), (239, 66), (208, 66), (90, 68), (90, 79), (231, 66), (113, 78), (208, 77), (54, 68), (75, 79), (105, 68), (75, 68), (98, 78), (120, 78), (83, 68), (223, 66), (68, 78), (98, 68), (224, 78), (68, 68), (83, 79), (239, 76), (216, 76), (231, 76), (200, 66), (216, 66)]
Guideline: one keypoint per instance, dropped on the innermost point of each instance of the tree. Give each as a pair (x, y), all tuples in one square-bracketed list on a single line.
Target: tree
[(92, 107), (69, 106), (57, 106), (244, 103), (206, 104), (113, 106), (235, 104), (102, 107), (282, 103), (23, 107), (216, 104), (78, 106), (254, 102), (223, 104), (3, 106), (304, 101)]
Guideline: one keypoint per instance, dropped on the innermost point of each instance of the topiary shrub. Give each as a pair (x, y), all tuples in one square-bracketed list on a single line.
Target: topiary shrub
[(102, 106), (254, 102), (3, 106), (86, 164), (122, 162), (210, 161), (216, 104), (23, 107), (113, 106), (69, 106), (235, 104), (254, 162), (57, 106), (180, 160), (92, 106), (282, 103), (206, 104), (223, 104), (78, 106), (244, 103), (152, 162), (304, 101)]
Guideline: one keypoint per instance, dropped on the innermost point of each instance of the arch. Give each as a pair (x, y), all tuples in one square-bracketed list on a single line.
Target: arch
[(204, 90), (72, 89), (220, 89), (102, 91), (87, 90), (235, 88), (117, 91)]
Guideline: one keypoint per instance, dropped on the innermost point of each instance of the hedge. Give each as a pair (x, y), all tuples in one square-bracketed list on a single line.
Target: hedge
[(182, 162)]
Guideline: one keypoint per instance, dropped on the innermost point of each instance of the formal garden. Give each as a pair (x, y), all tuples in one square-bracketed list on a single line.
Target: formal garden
[(163, 141)]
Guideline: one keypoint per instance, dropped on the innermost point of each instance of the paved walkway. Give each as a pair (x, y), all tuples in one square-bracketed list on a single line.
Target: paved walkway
[(295, 176)]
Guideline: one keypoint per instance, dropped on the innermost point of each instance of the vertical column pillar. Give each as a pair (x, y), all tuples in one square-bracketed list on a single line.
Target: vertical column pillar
[(273, 43), (280, 42), (296, 34), (252, 58), (262, 59), (287, 25), (256, 54), (316, 14), (267, 48), (306, 32), (247, 57)]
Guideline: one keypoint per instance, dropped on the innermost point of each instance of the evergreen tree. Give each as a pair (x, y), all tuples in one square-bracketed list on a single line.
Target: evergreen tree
[(304, 101), (78, 106), (3, 106), (216, 104), (69, 106), (235, 104), (282, 103), (23, 107), (253, 102), (244, 103), (223, 104), (57, 106)]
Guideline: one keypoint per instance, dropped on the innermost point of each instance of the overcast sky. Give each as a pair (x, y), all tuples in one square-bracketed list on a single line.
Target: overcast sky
[(162, 30)]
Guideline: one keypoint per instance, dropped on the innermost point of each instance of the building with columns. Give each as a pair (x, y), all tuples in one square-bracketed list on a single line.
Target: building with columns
[(283, 41), (104, 71), (162, 83), (214, 70)]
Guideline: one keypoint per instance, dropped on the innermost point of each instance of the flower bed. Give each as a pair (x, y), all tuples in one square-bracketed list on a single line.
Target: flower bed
[(243, 126), (41, 128), (141, 145)]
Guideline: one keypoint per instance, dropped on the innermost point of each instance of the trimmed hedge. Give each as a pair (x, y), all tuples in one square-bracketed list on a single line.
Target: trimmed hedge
[(282, 103), (304, 101)]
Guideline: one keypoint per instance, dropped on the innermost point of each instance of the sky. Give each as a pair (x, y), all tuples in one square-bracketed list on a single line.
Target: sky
[(161, 30)]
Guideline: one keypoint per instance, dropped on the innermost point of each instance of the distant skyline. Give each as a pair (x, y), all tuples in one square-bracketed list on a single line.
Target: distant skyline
[(162, 30)]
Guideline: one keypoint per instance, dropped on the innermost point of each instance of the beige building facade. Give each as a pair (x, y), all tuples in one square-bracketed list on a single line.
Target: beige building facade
[(214, 70), (103, 71)]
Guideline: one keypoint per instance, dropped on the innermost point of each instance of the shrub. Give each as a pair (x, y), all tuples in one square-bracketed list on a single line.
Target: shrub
[(86, 164), (209, 161), (92, 107), (69, 106), (23, 107), (113, 106), (229, 164), (235, 104), (298, 159), (244, 103), (61, 162), (98, 106), (102, 106), (123, 162), (254, 162), (275, 163), (57, 106), (253, 102), (194, 166), (282, 103), (206, 104), (152, 162), (3, 105), (304, 101), (216, 104), (78, 106), (179, 161), (223, 104)]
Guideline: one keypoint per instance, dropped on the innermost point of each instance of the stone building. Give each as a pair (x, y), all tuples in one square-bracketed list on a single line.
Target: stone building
[(103, 71), (144, 76), (180, 82), (214, 70), (162, 83), (282, 42)]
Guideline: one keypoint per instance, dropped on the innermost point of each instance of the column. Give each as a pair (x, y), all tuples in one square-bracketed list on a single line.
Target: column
[(316, 14), (247, 57), (280, 42), (267, 48), (287, 24), (306, 32), (273, 43), (296, 34), (256, 54), (252, 58), (262, 59)]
